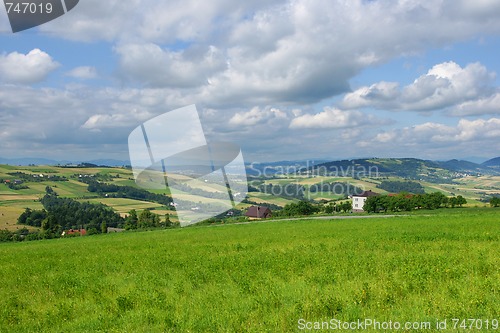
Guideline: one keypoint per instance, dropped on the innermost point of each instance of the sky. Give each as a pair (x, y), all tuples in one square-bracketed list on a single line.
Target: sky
[(285, 80)]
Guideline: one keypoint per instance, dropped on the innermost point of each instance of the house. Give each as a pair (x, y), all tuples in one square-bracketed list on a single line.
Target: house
[(358, 200), (111, 230), (81, 232), (258, 212)]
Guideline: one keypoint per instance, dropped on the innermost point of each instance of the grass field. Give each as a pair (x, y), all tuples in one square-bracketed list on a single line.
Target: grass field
[(123, 205), (260, 277)]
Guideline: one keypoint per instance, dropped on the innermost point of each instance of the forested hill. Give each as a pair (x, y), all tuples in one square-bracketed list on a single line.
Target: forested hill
[(493, 163), (409, 168)]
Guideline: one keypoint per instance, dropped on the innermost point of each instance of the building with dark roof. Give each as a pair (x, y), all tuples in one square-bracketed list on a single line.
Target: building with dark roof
[(258, 212)]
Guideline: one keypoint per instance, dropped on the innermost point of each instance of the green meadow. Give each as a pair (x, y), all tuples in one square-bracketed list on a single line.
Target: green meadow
[(259, 277)]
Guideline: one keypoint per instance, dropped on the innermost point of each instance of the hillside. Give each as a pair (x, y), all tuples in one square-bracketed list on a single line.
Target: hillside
[(466, 167), (274, 189), (493, 163), (27, 161), (408, 168), (22, 187)]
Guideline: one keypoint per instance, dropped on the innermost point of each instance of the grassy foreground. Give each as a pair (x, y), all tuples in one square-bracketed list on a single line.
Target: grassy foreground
[(261, 277)]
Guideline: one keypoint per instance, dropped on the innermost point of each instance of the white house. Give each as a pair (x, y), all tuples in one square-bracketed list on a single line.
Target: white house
[(358, 200)]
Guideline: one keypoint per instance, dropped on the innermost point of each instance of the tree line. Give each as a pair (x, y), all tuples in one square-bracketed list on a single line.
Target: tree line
[(338, 188), (288, 191), (117, 191), (37, 178), (146, 220), (65, 213), (408, 202), (59, 214), (398, 187), (302, 208)]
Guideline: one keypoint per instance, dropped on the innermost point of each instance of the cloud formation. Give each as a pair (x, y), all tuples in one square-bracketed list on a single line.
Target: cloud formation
[(264, 52), (333, 118), (257, 116), (479, 130), (481, 106), (444, 85), (83, 73), (261, 72), (33, 67), (157, 67), (434, 140)]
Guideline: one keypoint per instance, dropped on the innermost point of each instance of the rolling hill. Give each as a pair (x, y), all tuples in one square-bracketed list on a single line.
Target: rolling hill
[(473, 181), (493, 163), (408, 168)]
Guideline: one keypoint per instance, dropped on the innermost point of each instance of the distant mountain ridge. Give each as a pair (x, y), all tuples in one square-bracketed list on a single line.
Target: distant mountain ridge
[(493, 163), (465, 166), (45, 161), (410, 168)]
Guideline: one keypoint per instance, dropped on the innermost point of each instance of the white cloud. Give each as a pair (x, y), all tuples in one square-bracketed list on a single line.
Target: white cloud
[(435, 133), (379, 94), (83, 73), (97, 122), (470, 130), (257, 116), (434, 140), (156, 67), (26, 68), (269, 52), (150, 20), (445, 85), (486, 105), (279, 57), (191, 20), (333, 118)]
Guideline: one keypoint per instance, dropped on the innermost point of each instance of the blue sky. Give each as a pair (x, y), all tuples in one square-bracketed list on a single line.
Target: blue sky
[(284, 79)]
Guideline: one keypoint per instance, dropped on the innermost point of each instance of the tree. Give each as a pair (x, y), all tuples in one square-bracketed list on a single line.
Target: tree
[(24, 216), (50, 225), (50, 191), (402, 202), (5, 236), (147, 219), (168, 223), (398, 187), (370, 205), (495, 202), (461, 201), (33, 218), (104, 227), (434, 200), (131, 220), (378, 203), (299, 208), (345, 206), (329, 208)]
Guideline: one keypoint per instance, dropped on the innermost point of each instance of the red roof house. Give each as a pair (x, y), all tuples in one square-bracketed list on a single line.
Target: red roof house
[(82, 232)]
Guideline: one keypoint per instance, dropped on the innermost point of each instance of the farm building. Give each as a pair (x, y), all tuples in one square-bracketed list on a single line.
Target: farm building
[(81, 232), (111, 230), (358, 200), (258, 212)]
